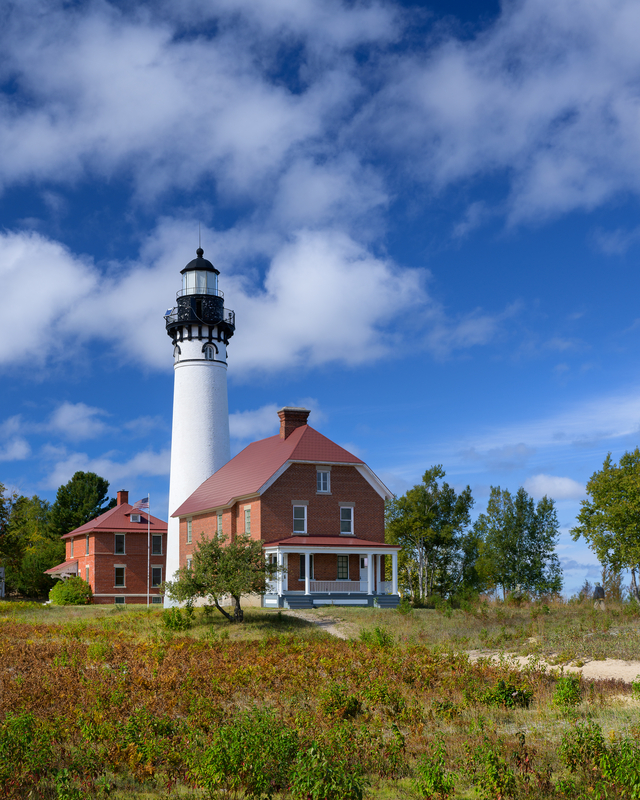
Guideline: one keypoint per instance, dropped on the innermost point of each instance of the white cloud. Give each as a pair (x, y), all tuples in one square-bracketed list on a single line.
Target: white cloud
[(255, 424), (16, 449), (77, 421), (146, 463), (555, 487)]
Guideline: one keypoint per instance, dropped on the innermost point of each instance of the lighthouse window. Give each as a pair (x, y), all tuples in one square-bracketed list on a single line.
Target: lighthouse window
[(209, 352)]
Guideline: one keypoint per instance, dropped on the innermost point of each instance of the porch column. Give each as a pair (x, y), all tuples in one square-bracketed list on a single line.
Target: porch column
[(370, 567), (394, 572), (279, 578), (379, 573), (307, 576)]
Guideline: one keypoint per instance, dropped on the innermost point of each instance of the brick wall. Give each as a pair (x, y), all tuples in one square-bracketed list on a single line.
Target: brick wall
[(298, 483)]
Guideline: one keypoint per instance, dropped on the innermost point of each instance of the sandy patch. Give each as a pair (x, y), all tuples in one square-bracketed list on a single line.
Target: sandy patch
[(327, 624), (626, 671)]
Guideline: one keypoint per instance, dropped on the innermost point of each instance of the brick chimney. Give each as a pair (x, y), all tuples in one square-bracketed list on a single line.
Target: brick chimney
[(123, 497), (290, 419)]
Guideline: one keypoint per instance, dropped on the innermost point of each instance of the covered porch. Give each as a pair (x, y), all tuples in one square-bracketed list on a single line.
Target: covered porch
[(331, 570)]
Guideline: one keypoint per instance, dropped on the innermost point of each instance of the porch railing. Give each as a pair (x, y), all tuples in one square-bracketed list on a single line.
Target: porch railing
[(335, 586)]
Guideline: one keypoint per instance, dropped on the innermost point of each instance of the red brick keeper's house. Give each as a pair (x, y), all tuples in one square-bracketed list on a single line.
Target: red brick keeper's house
[(318, 510), (118, 554)]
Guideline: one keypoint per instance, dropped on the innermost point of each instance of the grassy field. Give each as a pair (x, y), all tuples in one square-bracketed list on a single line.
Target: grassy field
[(102, 702)]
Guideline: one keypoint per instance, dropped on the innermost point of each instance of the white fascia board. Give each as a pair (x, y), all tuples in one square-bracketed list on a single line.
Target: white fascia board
[(319, 548), (280, 471), (373, 480)]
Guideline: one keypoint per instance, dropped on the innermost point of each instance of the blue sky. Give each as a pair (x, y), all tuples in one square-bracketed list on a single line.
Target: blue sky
[(425, 216)]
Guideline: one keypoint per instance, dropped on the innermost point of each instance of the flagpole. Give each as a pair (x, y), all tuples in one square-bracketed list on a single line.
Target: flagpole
[(148, 544)]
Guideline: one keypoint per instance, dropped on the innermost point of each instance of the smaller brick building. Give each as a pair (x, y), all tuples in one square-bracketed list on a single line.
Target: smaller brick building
[(120, 556), (318, 510)]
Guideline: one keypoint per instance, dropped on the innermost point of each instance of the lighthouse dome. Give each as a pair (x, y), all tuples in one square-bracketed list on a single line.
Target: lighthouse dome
[(200, 263)]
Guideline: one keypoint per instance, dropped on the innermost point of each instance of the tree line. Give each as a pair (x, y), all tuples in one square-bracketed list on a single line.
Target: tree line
[(511, 547), (30, 529)]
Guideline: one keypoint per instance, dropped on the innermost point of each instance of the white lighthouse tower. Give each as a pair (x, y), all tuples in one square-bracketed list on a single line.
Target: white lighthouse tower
[(200, 328)]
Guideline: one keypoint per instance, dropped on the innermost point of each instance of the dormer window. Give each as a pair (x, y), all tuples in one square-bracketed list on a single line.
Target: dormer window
[(135, 518)]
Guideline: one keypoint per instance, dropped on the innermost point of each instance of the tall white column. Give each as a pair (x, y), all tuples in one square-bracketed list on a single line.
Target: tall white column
[(370, 568), (394, 573), (379, 572), (307, 574), (280, 560)]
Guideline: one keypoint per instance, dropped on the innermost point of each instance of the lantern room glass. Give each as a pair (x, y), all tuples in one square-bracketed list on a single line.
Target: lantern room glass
[(199, 281)]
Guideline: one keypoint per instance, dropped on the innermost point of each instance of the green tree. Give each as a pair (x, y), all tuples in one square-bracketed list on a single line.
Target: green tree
[(429, 521), (518, 540), (35, 547), (609, 520), (83, 498), (220, 569)]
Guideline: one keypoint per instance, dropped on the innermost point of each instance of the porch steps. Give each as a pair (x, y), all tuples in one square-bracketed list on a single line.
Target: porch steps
[(387, 601), (294, 603)]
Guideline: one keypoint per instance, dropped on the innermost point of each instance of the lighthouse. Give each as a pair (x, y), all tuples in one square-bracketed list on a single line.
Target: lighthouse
[(200, 328)]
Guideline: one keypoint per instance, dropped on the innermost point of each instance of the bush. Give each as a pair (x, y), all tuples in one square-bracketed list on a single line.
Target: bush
[(568, 691), (176, 620), (377, 637), (431, 777), (71, 592), (320, 776), (507, 695)]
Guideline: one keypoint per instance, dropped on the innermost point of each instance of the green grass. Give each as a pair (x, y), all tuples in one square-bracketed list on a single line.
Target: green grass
[(104, 702)]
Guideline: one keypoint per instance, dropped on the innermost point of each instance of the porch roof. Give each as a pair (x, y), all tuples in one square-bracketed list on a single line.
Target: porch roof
[(333, 542), (66, 568)]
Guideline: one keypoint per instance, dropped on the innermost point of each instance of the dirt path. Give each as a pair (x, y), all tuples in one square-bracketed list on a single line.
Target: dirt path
[(626, 671), (327, 624)]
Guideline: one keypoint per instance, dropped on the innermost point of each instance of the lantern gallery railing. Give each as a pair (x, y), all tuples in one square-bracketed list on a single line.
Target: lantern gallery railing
[(172, 315), (199, 290)]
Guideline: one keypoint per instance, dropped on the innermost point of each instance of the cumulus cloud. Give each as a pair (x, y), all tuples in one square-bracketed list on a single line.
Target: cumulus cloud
[(148, 462), (254, 424), (78, 421), (554, 486), (16, 449)]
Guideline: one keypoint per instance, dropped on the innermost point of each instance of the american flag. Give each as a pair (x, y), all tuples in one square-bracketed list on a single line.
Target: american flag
[(142, 504)]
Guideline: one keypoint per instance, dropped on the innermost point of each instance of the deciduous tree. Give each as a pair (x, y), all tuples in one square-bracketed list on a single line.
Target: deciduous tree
[(429, 522), (223, 569), (518, 543), (609, 520)]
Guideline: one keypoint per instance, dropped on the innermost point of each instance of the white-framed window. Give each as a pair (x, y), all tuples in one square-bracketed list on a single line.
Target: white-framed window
[(135, 517), (86, 573), (346, 520), (157, 600), (156, 544), (219, 523), (71, 549), (209, 352), (119, 601), (119, 576), (247, 520), (300, 519), (86, 547), (343, 568), (323, 481), (189, 531), (118, 547), (189, 563), (302, 572), (156, 576)]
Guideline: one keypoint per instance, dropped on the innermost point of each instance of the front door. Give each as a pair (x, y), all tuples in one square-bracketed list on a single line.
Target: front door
[(364, 573)]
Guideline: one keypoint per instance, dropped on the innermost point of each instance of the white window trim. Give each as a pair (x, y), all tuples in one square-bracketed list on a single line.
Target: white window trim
[(157, 600), (135, 517), (305, 532), (124, 544), (71, 549), (247, 516), (219, 523), (86, 547), (189, 530), (154, 567), (326, 470), (158, 535), (118, 585), (120, 600), (352, 507)]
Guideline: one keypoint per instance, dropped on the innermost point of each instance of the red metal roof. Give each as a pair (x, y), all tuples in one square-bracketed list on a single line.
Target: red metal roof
[(66, 565), (247, 473), (117, 519), (331, 541)]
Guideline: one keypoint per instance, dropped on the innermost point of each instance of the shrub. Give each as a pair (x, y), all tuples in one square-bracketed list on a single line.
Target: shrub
[(71, 592), (336, 702), (319, 775), (377, 637), (176, 620), (635, 687), (568, 691), (404, 606), (507, 695), (494, 780), (431, 778)]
